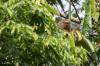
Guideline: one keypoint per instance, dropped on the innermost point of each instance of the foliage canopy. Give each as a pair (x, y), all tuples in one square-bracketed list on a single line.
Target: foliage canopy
[(29, 36)]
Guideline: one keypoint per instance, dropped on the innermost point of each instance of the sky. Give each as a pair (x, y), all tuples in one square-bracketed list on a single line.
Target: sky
[(66, 7)]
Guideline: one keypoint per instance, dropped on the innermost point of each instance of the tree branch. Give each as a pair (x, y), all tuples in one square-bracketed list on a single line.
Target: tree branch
[(76, 11)]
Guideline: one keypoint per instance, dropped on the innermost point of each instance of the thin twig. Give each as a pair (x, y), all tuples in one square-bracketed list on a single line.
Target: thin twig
[(76, 12), (69, 12)]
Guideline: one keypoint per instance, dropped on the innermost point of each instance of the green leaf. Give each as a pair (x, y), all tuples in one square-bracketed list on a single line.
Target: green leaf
[(71, 40), (93, 8), (89, 45), (13, 30)]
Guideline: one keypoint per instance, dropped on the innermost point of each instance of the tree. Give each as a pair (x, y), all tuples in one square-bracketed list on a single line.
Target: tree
[(29, 36)]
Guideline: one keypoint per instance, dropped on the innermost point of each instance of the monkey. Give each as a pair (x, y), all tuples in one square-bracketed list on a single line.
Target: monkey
[(72, 25), (69, 25), (80, 39)]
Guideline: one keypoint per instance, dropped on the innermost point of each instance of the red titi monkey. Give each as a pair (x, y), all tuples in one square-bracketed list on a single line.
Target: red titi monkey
[(67, 25), (81, 40), (70, 26)]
